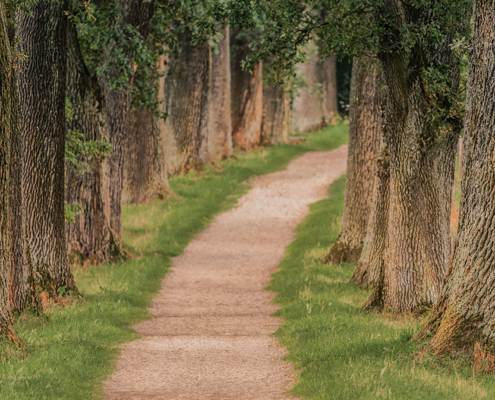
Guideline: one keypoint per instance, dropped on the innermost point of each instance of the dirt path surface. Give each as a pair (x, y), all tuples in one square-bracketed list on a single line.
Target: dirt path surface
[(209, 334)]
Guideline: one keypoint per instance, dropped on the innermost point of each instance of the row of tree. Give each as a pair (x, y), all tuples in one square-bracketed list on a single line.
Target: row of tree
[(101, 102), (422, 76)]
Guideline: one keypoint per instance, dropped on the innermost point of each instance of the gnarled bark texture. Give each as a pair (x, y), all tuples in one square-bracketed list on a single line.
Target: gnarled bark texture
[(247, 98), (137, 13), (23, 289), (365, 125), (41, 87), (316, 103), (185, 101), (421, 171), (370, 263), (466, 309), (88, 237), (9, 128), (220, 125)]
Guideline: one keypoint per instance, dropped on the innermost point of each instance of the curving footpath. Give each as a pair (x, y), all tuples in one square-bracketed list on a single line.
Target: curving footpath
[(209, 335)]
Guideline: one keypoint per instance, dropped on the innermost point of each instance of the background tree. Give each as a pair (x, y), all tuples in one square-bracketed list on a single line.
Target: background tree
[(365, 125)]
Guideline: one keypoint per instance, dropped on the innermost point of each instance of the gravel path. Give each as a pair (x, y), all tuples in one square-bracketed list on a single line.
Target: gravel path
[(209, 334)]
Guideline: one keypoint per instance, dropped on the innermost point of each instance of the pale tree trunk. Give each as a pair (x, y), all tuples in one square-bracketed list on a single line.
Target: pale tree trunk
[(41, 86), (186, 102), (88, 237), (137, 13), (247, 99), (220, 125), (365, 125), (9, 129), (307, 107), (273, 113), (328, 75), (421, 172), (465, 311)]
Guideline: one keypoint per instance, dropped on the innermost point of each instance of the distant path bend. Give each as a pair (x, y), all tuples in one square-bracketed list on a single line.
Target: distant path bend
[(209, 334)]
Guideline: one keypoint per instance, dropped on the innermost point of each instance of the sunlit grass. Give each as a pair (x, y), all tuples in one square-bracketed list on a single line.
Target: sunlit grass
[(343, 353), (74, 349)]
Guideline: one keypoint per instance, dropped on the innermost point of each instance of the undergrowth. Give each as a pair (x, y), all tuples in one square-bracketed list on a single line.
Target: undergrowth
[(343, 353), (73, 348)]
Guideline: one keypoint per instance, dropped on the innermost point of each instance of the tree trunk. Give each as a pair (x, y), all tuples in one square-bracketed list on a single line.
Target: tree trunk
[(137, 13), (220, 125), (370, 263), (329, 84), (307, 107), (186, 95), (365, 125), (146, 175), (273, 113), (88, 237), (41, 86), (465, 311), (421, 172), (247, 98), (9, 129)]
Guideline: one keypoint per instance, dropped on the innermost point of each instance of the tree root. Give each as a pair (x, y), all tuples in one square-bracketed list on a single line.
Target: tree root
[(343, 253)]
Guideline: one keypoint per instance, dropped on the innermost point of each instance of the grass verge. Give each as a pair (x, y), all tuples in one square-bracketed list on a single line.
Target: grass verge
[(72, 349), (343, 353)]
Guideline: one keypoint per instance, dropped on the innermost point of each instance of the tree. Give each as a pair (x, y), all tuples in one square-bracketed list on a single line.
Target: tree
[(219, 101), (185, 102), (88, 235), (134, 19), (423, 114), (464, 313), (41, 85), (365, 124), (8, 130), (247, 96)]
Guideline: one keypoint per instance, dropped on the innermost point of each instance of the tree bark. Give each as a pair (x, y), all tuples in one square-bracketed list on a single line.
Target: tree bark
[(329, 84), (370, 264), (220, 125), (247, 98), (185, 101), (88, 237), (421, 172), (273, 113), (9, 129), (146, 174), (137, 13), (465, 311), (365, 125), (41, 86)]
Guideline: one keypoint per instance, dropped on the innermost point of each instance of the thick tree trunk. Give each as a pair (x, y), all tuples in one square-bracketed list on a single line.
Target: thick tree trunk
[(146, 175), (41, 86), (247, 98), (9, 129), (365, 125), (370, 263), (466, 309), (273, 113), (88, 237), (185, 101), (137, 13), (421, 172), (220, 125)]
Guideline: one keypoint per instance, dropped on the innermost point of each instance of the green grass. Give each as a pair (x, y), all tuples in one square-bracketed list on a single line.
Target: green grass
[(343, 353), (74, 349)]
